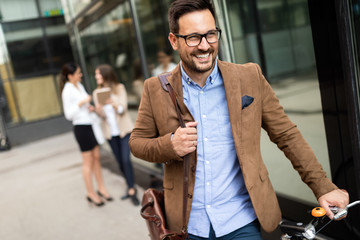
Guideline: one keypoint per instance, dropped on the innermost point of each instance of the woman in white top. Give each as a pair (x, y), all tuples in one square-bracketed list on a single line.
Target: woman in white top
[(77, 108), (116, 124), (165, 62)]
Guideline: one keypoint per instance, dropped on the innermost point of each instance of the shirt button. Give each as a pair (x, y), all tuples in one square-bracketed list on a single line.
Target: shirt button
[(188, 82), (208, 206), (207, 162), (205, 139), (201, 91), (208, 183), (204, 116)]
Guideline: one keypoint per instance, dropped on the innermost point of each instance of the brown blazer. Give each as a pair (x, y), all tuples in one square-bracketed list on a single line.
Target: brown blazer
[(157, 120), (123, 120)]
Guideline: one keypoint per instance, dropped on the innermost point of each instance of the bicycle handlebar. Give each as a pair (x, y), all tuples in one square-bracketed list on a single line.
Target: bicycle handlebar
[(300, 231)]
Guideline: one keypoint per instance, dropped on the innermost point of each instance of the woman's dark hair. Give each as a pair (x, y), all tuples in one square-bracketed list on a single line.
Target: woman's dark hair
[(167, 50), (108, 75), (138, 72), (181, 7), (68, 68)]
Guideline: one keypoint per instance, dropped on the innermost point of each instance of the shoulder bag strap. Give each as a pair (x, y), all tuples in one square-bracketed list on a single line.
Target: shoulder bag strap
[(167, 87)]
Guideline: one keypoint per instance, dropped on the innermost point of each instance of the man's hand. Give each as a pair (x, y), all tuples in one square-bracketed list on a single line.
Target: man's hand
[(338, 198), (184, 140)]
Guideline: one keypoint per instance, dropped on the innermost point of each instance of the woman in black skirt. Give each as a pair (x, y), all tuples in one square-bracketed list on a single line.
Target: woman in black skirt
[(77, 108)]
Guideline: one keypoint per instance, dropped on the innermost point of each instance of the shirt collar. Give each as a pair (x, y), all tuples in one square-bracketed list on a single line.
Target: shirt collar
[(211, 79)]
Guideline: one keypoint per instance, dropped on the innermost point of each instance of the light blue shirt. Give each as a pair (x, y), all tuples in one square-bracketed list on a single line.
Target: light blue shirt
[(220, 196)]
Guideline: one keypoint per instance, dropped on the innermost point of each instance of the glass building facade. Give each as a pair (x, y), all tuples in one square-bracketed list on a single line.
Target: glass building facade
[(275, 34), (35, 41)]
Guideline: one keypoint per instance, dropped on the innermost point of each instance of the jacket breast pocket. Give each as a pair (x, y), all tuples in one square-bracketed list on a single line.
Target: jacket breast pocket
[(248, 113)]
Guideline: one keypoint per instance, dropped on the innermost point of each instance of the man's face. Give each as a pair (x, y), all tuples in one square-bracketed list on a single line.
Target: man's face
[(201, 58)]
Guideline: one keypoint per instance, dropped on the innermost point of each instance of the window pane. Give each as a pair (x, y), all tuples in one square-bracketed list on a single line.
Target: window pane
[(50, 8), (13, 10), (26, 47), (58, 42), (110, 40), (285, 32), (355, 12), (243, 31), (154, 28), (33, 53)]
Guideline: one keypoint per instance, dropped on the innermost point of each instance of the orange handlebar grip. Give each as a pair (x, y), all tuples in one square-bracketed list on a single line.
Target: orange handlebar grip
[(318, 212)]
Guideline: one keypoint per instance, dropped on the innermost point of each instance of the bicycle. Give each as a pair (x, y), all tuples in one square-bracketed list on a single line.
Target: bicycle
[(300, 231)]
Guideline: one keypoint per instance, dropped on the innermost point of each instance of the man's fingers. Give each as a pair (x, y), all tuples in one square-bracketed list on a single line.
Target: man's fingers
[(192, 143), (191, 124), (336, 198), (185, 139), (326, 207)]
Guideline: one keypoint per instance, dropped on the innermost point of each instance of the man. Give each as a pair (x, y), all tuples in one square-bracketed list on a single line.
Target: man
[(224, 106)]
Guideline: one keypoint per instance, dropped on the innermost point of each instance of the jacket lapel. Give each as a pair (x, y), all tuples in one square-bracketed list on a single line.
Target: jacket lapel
[(232, 86), (175, 81)]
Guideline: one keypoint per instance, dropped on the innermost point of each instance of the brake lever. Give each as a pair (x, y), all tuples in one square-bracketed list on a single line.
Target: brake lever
[(339, 213), (342, 212), (309, 232)]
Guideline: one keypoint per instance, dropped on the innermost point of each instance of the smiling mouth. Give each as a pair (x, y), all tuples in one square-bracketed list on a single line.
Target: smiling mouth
[(203, 55)]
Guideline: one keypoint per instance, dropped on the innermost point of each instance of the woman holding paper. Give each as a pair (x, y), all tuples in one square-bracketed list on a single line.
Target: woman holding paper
[(116, 122), (77, 108)]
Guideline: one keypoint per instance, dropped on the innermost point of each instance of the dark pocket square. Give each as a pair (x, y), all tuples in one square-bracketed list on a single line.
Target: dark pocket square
[(246, 101)]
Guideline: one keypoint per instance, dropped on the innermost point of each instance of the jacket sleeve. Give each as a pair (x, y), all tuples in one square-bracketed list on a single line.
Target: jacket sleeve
[(288, 138), (145, 141)]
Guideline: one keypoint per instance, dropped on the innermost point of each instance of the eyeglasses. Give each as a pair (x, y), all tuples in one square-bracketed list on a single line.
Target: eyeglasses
[(194, 39)]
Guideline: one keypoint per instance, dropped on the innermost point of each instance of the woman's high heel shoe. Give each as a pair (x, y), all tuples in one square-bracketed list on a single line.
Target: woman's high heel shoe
[(95, 203), (109, 199)]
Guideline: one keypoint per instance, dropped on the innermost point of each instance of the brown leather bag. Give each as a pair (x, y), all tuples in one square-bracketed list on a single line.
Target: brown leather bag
[(153, 207), (153, 211)]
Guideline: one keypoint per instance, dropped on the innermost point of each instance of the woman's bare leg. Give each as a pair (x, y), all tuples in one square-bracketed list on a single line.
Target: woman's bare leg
[(87, 169), (98, 173)]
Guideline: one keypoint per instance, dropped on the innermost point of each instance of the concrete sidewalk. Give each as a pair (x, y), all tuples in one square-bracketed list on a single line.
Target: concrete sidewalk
[(43, 196)]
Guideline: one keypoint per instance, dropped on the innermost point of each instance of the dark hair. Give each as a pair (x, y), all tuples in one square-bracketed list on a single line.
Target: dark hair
[(138, 72), (181, 7), (108, 75), (67, 68), (167, 50)]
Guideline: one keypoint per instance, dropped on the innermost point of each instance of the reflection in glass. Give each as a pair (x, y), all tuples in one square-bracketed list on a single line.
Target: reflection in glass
[(32, 53), (286, 35), (50, 8), (286, 40), (154, 29), (355, 13), (14, 10), (243, 31), (110, 40)]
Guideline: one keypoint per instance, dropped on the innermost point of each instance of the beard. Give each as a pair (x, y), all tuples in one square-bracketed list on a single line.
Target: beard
[(189, 63)]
